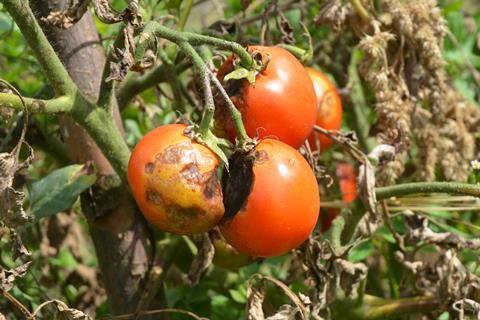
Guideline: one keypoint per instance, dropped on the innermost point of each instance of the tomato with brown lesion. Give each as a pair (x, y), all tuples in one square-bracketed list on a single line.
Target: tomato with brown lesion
[(282, 205), (174, 181)]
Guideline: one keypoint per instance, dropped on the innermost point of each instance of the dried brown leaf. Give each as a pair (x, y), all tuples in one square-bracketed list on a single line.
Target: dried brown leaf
[(7, 277), (66, 18), (255, 299), (202, 260), (108, 15)]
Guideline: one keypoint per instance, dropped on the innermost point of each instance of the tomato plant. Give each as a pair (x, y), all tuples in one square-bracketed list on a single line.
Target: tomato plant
[(329, 104), (174, 181), (281, 102), (282, 207), (347, 182)]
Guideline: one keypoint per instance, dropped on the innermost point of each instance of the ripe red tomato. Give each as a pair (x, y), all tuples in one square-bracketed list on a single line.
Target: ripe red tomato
[(330, 111), (281, 103), (348, 187), (174, 181), (282, 208)]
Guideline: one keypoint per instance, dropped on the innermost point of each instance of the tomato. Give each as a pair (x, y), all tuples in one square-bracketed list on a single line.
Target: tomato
[(330, 111), (282, 207), (281, 103), (228, 257), (348, 187), (174, 181)]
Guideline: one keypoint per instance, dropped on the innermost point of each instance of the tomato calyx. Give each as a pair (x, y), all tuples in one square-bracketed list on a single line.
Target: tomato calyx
[(239, 72), (219, 146)]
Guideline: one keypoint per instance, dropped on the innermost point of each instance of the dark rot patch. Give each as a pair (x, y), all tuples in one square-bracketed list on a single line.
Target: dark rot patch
[(260, 156), (154, 197), (149, 167), (212, 186), (172, 154), (191, 174), (237, 183)]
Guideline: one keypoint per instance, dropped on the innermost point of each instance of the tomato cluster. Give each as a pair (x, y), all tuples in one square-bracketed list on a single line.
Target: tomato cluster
[(175, 179)]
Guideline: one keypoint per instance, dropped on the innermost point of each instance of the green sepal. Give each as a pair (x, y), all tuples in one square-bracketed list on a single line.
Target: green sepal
[(242, 73)]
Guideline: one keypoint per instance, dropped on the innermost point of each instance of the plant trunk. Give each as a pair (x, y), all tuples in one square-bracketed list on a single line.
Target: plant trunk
[(119, 233)]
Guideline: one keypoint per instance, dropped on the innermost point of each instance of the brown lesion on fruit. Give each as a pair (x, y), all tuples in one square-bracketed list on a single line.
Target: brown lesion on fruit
[(191, 174), (261, 156), (173, 154), (212, 188), (154, 197), (149, 167)]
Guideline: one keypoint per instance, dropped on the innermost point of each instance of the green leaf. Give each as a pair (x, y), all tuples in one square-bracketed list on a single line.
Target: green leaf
[(241, 73), (361, 251), (238, 295), (58, 190)]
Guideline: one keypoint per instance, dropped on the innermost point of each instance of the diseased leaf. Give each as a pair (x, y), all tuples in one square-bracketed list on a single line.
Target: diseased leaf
[(202, 260), (59, 190), (7, 277), (66, 18)]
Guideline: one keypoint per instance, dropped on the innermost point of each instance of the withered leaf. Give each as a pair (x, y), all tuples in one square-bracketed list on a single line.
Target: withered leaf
[(286, 29), (66, 313), (202, 260), (255, 299), (108, 15), (66, 18), (7, 277)]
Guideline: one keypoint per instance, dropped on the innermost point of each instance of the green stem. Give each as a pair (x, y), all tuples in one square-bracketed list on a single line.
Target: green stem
[(58, 105), (235, 114), (209, 110), (362, 12), (153, 29), (136, 85), (107, 87), (428, 187), (184, 14), (101, 126), (375, 308), (43, 51)]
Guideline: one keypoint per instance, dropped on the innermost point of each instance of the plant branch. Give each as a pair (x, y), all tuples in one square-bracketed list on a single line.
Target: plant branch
[(209, 110), (58, 105), (153, 29), (136, 85), (235, 114), (377, 308), (107, 87), (43, 51), (362, 12), (187, 8), (428, 187)]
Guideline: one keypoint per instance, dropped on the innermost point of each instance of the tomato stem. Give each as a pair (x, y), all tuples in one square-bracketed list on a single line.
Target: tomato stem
[(428, 187), (234, 112), (153, 29)]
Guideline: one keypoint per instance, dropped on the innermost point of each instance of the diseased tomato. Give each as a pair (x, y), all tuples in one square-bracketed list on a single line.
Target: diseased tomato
[(348, 187), (174, 181), (282, 207), (281, 103), (330, 111)]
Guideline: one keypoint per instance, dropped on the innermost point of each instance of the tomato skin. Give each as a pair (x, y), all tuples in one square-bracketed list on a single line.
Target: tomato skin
[(282, 208), (281, 103), (174, 181), (330, 109)]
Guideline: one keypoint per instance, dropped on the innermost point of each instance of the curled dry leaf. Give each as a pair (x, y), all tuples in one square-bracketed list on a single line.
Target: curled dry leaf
[(12, 214), (124, 57), (418, 230), (468, 305), (255, 297), (202, 260), (351, 276), (66, 313), (108, 15), (7, 277), (66, 18)]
